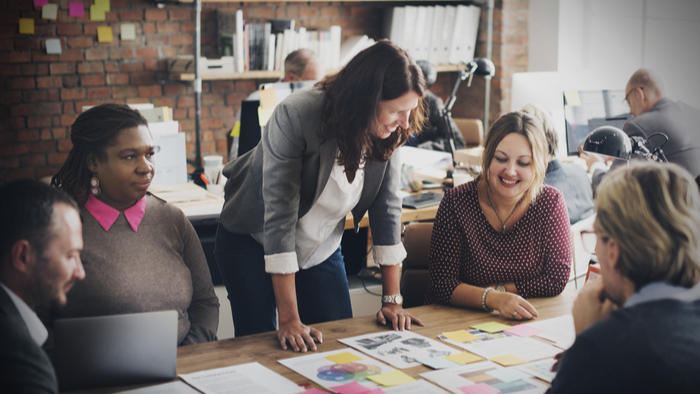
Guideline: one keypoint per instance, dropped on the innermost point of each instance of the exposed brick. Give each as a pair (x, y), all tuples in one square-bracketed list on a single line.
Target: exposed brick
[(23, 44), (124, 91), (117, 79), (185, 101), (42, 146), (49, 82), (163, 102), (143, 78), (212, 123), (156, 15), (16, 57), (48, 108), (97, 93), (157, 40), (130, 66), (148, 28), (112, 67), (62, 68), (42, 69), (59, 133), (182, 39), (187, 27), (69, 29), (9, 161), (96, 54), (46, 135), (57, 158), (121, 53), (150, 91), (174, 89), (181, 15), (175, 51), (90, 67), (71, 55), (23, 110), (92, 80), (245, 86), (179, 113), (40, 56), (28, 135), (79, 42), (168, 27), (67, 120), (10, 98), (65, 145), (14, 149), (223, 86), (71, 81), (30, 96), (308, 12), (10, 70), (32, 160), (145, 53), (330, 11), (21, 83), (130, 15)]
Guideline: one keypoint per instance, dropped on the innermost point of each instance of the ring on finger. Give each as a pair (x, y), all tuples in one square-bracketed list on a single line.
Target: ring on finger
[(515, 313)]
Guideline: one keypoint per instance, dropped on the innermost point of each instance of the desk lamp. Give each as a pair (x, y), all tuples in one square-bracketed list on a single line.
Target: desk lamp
[(480, 66), (613, 142)]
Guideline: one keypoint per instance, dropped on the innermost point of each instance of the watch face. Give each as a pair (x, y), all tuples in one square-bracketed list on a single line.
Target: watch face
[(398, 299)]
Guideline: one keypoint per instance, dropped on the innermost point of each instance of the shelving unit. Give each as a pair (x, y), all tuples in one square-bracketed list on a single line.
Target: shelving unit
[(197, 78)]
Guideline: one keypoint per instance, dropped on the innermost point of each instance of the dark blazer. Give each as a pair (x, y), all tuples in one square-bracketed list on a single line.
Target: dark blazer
[(24, 366), (276, 183), (572, 181)]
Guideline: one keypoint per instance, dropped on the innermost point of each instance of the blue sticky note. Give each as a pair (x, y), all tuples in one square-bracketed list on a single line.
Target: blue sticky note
[(507, 375), (437, 363)]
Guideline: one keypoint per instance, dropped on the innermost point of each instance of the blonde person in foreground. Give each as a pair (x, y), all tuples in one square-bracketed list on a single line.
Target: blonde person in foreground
[(505, 236), (637, 325)]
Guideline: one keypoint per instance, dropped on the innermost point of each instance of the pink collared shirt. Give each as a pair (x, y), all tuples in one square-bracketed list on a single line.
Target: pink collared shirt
[(106, 215)]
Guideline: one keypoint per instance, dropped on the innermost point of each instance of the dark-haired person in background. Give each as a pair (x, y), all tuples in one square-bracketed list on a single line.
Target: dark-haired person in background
[(647, 239), (141, 254), (326, 152), (40, 244)]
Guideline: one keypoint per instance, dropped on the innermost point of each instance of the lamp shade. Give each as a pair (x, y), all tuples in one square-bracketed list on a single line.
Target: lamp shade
[(484, 67), (608, 141)]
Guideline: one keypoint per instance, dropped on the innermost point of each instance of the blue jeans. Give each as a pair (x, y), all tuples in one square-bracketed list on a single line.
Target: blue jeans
[(322, 291)]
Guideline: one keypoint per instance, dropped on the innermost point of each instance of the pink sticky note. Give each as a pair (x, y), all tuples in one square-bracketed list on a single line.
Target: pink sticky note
[(523, 330), (40, 3), (480, 388), (375, 391), (350, 388), (76, 9), (314, 391)]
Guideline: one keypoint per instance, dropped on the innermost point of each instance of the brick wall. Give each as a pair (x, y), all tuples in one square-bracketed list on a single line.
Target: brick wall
[(41, 95)]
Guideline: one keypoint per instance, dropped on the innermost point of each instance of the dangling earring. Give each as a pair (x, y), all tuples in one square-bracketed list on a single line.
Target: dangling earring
[(95, 186)]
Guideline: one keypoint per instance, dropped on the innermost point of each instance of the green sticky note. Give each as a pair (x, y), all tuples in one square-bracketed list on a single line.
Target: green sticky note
[(264, 115), (103, 4), (104, 34), (390, 379), (491, 327), (572, 98), (460, 336), (26, 26), (463, 358), (343, 358), (508, 359), (97, 13), (49, 11)]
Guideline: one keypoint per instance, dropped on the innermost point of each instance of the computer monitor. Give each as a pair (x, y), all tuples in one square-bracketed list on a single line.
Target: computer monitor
[(586, 110)]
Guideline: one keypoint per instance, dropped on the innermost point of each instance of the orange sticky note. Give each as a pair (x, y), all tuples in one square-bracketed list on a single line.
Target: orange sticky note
[(508, 359), (104, 34), (460, 336), (26, 26), (343, 358)]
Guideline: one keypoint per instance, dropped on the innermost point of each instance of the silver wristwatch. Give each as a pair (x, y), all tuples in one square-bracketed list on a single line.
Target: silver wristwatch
[(501, 287), (395, 299)]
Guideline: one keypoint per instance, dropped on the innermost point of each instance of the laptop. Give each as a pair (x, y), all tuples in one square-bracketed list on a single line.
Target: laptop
[(422, 200), (116, 350)]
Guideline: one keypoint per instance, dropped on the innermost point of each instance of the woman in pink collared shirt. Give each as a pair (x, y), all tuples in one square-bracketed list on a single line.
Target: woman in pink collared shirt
[(141, 254)]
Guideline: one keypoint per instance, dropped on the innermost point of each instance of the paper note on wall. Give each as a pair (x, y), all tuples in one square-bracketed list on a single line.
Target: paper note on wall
[(104, 34), (49, 11), (40, 3), (104, 4), (76, 9), (26, 26), (97, 13), (128, 31), (53, 46), (572, 98)]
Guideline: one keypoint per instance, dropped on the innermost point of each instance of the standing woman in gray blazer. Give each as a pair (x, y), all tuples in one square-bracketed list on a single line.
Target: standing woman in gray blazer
[(325, 152)]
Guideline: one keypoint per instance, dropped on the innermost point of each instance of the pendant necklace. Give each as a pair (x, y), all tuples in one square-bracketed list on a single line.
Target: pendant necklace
[(503, 223)]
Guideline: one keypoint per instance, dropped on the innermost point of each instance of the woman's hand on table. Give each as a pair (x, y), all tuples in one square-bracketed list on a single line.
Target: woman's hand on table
[(299, 336), (400, 318), (510, 306), (591, 305)]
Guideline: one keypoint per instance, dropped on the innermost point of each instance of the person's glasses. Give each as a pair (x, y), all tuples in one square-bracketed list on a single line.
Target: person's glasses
[(589, 239), (628, 94)]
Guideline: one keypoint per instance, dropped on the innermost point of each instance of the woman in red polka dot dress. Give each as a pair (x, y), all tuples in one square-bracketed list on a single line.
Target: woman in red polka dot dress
[(505, 236)]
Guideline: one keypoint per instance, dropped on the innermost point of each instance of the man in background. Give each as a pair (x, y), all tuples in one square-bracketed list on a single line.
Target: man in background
[(655, 113), (300, 65), (40, 243)]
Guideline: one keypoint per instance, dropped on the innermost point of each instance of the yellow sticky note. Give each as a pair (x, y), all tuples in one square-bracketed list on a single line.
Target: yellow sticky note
[(268, 98), (491, 327), (343, 358), (97, 13), (104, 34), (508, 359), (460, 336), (104, 4), (264, 115), (26, 26), (236, 130), (391, 379), (572, 98), (49, 11), (463, 358)]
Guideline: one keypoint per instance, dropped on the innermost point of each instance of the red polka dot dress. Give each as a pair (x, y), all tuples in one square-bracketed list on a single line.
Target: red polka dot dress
[(535, 253)]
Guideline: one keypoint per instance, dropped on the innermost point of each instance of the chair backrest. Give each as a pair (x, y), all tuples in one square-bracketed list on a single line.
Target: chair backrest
[(472, 130), (414, 280), (579, 266)]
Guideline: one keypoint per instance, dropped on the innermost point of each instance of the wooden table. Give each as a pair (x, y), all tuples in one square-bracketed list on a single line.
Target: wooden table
[(265, 349)]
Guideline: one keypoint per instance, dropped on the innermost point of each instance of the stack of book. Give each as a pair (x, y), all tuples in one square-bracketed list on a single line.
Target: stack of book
[(438, 34)]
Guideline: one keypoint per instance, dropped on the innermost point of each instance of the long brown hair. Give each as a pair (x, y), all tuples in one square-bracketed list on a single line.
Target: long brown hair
[(92, 133), (379, 73)]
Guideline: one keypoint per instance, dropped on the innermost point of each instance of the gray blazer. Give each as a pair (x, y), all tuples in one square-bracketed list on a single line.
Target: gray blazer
[(270, 187)]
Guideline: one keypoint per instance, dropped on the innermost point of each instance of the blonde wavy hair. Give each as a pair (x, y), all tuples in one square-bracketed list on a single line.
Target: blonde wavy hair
[(652, 211), (527, 126)]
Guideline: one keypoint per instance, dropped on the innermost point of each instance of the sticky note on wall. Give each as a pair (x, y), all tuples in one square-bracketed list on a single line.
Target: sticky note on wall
[(76, 9), (53, 46), (49, 11), (26, 26), (103, 4), (40, 3), (104, 34), (128, 31), (96, 13)]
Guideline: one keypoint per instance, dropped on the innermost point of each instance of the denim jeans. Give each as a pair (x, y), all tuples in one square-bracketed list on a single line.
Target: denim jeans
[(322, 291)]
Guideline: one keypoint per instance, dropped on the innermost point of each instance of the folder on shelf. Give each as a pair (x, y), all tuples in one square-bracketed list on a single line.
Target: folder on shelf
[(436, 38)]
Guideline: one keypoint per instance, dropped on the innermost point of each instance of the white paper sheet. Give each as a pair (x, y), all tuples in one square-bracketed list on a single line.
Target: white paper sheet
[(454, 378), (420, 386), (326, 373), (167, 388), (401, 349), (539, 369), (560, 330), (241, 379), (425, 158), (498, 345)]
